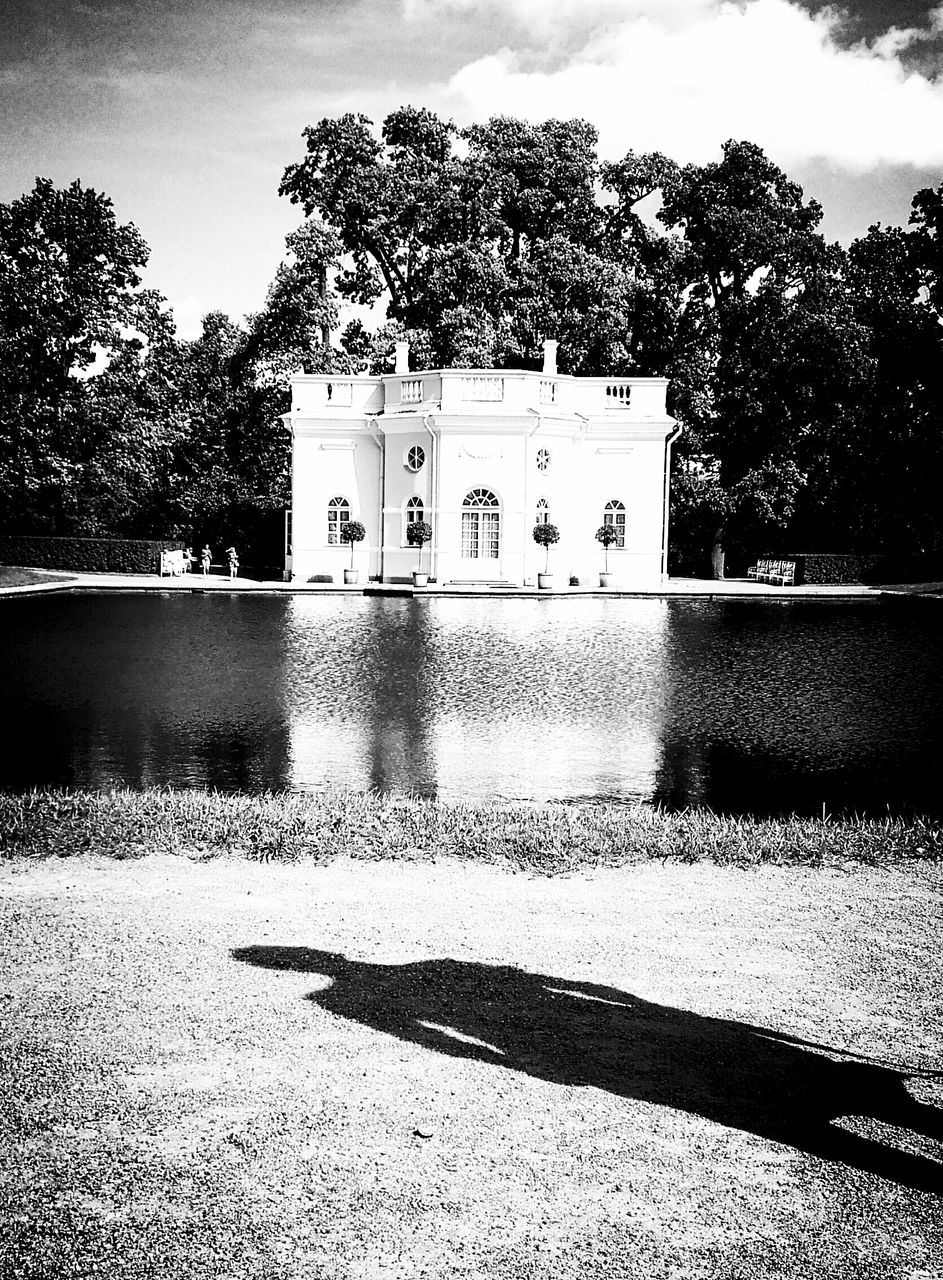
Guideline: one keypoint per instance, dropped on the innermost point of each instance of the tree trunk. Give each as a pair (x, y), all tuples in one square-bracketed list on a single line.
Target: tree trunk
[(717, 555)]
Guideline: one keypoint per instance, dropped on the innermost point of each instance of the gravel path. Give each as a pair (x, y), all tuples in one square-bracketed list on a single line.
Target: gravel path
[(444, 1070)]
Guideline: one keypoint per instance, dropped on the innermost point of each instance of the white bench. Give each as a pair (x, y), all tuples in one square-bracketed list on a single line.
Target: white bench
[(174, 563), (780, 573)]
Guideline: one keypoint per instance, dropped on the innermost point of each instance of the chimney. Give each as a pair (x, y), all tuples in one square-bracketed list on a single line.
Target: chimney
[(550, 355), (402, 358)]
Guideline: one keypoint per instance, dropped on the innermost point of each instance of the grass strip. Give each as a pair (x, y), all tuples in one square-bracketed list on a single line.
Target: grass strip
[(546, 839), (12, 576)]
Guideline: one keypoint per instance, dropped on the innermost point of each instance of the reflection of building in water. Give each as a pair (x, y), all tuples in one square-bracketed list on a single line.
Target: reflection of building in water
[(402, 745), (551, 701), (483, 456), (472, 700), (665, 700), (361, 702)]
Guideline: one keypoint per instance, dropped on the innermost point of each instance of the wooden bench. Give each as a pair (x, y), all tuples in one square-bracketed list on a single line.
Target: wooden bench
[(780, 573)]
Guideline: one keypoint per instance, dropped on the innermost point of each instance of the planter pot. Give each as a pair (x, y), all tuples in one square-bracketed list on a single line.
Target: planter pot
[(420, 579), (605, 579), (351, 577), (544, 581)]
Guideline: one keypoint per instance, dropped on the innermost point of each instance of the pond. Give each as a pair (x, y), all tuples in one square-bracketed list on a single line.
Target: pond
[(746, 706)]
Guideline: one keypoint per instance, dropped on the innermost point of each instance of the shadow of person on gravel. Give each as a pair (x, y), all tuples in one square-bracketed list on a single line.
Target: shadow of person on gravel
[(579, 1033)]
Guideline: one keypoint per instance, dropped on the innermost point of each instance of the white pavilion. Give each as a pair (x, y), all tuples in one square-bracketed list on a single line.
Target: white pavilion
[(482, 455)]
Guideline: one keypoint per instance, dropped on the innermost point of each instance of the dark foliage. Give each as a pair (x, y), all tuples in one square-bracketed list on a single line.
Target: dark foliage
[(545, 535), (808, 380), (875, 567), (86, 555), (352, 531), (418, 533)]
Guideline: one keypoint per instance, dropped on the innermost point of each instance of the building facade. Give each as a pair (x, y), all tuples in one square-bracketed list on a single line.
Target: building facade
[(482, 456)]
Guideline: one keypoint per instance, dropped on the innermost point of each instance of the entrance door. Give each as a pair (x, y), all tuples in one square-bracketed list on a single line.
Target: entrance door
[(481, 527)]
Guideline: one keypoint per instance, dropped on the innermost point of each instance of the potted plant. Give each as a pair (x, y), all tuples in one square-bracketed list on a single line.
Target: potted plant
[(352, 531), (545, 535), (418, 533), (607, 534)]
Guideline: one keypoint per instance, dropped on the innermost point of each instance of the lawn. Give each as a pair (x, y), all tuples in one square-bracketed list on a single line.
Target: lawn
[(13, 576), (443, 1068), (548, 839)]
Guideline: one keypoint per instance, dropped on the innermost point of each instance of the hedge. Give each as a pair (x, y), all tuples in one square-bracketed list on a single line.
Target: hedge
[(85, 555), (864, 567)]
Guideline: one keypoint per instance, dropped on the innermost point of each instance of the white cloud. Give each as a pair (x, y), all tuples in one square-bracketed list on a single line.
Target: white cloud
[(899, 39), (681, 76), (546, 17)]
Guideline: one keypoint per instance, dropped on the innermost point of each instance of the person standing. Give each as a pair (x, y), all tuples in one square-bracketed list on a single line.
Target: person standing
[(206, 558), (233, 559)]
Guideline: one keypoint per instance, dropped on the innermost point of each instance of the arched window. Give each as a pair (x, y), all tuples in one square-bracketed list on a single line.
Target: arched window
[(481, 525), (543, 459), (543, 511), (338, 513), (413, 512), (415, 457), (615, 514)]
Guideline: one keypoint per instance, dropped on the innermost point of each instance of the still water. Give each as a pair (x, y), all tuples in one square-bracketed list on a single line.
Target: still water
[(744, 705)]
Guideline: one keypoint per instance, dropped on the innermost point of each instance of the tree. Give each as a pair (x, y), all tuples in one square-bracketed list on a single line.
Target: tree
[(927, 243), (234, 380), (545, 535), (418, 533), (485, 253), (606, 535), (528, 184), (134, 425), (70, 277), (293, 331), (758, 277), (352, 532), (208, 455), (880, 473), (232, 462), (70, 294), (655, 261), (390, 209)]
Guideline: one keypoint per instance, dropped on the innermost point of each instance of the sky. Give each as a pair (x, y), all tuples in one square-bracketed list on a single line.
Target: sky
[(186, 112)]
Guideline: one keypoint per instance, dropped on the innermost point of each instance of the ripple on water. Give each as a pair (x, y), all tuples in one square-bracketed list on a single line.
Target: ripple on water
[(744, 705)]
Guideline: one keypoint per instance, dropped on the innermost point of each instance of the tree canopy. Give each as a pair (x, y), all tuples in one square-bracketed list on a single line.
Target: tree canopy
[(486, 240), (110, 424), (808, 378), (70, 296)]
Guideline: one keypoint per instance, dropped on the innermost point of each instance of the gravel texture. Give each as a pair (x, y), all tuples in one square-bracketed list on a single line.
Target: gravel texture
[(442, 1069)]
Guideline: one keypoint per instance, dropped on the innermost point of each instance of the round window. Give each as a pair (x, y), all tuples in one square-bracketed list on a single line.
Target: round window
[(415, 457), (543, 459)]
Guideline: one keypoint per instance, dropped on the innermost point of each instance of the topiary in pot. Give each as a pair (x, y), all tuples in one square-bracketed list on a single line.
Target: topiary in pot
[(545, 535), (418, 533), (607, 534), (352, 531)]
